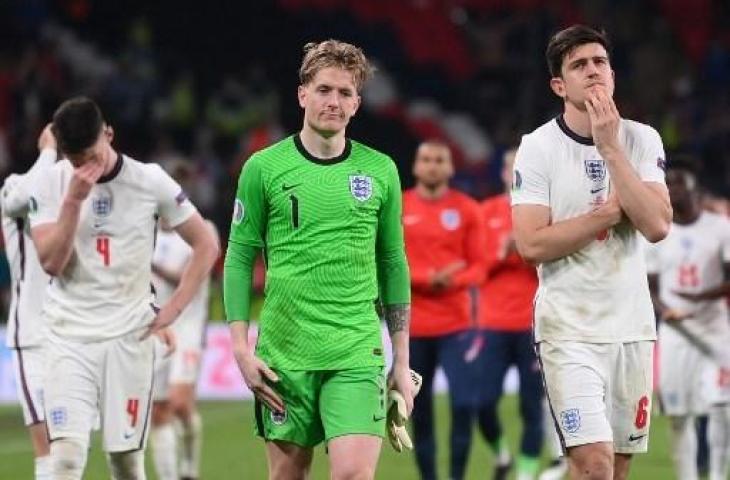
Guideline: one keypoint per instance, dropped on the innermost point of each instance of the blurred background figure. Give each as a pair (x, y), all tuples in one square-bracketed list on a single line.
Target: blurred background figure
[(505, 321), (26, 326), (177, 429), (689, 277), (444, 238)]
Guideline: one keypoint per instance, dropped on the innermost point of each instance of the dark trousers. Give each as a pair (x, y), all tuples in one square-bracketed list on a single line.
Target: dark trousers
[(454, 353), (503, 349)]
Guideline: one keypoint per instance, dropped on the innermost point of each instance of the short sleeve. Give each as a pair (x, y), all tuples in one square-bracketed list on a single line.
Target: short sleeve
[(46, 195), (531, 183), (248, 225), (173, 204), (652, 160)]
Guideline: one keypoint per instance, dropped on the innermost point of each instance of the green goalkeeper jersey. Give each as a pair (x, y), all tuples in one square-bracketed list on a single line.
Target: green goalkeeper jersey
[(328, 228)]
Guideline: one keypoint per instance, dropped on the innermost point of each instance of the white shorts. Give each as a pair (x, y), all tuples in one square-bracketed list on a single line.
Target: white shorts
[(111, 379), (684, 375), (29, 365), (599, 392), (182, 367)]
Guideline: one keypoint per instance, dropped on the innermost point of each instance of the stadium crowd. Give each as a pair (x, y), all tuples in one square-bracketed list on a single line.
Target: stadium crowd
[(457, 85)]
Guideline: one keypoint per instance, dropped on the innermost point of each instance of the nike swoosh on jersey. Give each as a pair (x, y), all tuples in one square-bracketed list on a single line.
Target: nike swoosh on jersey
[(377, 418), (596, 190), (286, 188)]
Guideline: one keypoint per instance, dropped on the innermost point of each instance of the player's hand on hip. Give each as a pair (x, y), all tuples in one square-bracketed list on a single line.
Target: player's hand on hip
[(256, 374), (47, 139), (604, 118), (83, 179), (400, 379), (165, 316), (168, 339)]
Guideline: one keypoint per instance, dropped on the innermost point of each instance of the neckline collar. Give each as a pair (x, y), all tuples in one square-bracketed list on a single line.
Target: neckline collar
[(566, 130), (114, 171), (323, 161)]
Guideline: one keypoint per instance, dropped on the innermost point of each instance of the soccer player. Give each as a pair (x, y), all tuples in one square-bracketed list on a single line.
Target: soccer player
[(505, 317), (93, 218), (326, 210), (25, 335), (176, 424), (587, 185), (444, 238), (690, 280)]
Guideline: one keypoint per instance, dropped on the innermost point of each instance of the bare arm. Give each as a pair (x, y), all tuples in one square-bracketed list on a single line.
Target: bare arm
[(540, 241), (206, 249), (398, 319), (645, 203), (255, 372), (54, 241)]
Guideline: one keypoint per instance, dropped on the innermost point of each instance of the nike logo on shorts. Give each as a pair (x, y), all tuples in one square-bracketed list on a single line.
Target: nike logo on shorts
[(634, 438), (377, 418)]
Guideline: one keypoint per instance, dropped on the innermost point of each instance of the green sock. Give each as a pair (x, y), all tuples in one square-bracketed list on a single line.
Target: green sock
[(500, 450), (529, 465)]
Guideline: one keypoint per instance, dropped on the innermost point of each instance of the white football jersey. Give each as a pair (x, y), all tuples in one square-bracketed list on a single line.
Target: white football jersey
[(27, 277), (173, 254), (691, 259), (105, 290), (599, 294)]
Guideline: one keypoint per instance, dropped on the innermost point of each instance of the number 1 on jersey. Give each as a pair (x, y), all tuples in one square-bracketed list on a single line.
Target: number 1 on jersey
[(102, 246), (294, 211)]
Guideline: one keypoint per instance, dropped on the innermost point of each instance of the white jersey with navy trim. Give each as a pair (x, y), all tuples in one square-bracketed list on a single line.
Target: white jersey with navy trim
[(691, 259), (28, 280), (600, 293), (105, 290)]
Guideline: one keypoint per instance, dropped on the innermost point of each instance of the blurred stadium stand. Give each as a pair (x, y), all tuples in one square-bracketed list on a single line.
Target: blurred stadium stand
[(211, 84)]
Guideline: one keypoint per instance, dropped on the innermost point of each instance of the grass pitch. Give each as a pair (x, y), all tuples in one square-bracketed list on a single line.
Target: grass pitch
[(231, 451)]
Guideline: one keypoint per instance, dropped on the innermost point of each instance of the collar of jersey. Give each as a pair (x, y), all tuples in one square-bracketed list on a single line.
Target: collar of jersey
[(115, 170), (566, 130), (323, 161)]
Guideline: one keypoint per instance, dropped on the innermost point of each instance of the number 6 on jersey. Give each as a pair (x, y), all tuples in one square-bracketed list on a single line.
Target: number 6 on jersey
[(102, 246)]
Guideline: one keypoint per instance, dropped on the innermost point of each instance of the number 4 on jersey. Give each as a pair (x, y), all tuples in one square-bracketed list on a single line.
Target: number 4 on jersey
[(102, 246)]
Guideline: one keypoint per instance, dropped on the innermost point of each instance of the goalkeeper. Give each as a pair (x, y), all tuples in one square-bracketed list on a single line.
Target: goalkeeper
[(326, 212)]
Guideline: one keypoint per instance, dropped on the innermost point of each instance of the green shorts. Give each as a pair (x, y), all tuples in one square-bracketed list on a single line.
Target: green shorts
[(321, 405)]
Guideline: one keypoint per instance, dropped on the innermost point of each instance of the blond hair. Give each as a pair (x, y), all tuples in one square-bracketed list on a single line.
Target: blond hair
[(334, 53)]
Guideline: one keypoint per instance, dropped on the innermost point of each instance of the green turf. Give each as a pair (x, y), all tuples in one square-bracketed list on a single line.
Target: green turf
[(232, 452)]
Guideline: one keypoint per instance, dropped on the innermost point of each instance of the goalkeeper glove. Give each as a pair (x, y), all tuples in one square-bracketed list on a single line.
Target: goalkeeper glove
[(397, 416)]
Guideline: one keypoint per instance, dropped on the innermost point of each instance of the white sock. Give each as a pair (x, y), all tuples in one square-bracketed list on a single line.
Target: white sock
[(43, 468), (164, 451), (719, 440), (191, 444), (684, 446), (126, 465)]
